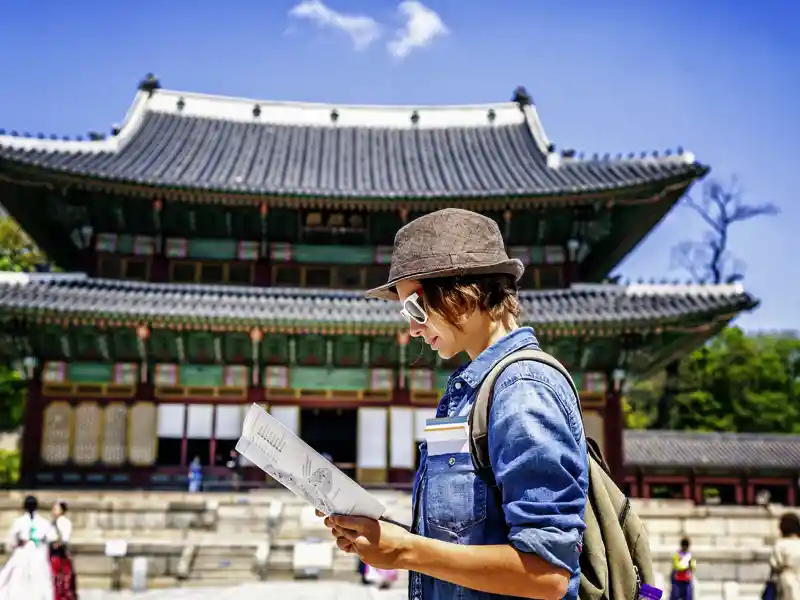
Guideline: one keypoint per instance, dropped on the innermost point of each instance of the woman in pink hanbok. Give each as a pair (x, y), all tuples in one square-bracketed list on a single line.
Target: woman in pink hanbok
[(27, 575)]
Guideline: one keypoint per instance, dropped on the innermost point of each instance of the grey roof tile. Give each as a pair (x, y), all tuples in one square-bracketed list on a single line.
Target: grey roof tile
[(711, 450), (584, 305), (373, 158)]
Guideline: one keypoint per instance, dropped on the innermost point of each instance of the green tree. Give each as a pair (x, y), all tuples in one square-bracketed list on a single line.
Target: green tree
[(17, 250), (17, 253), (12, 398), (735, 382)]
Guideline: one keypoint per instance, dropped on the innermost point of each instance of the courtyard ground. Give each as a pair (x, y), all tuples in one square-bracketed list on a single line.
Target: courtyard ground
[(285, 590)]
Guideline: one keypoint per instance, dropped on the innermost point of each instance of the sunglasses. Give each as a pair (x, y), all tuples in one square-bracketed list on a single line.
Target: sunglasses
[(412, 309)]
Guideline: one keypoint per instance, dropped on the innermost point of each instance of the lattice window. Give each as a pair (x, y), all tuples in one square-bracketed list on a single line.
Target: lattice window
[(280, 252), (86, 437), (248, 250), (166, 375), (54, 372), (176, 248), (311, 350), (126, 373), (106, 242), (595, 382), (115, 430), (381, 379), (276, 377), (555, 255), (420, 380), (142, 419), (143, 245), (347, 350), (235, 376), (56, 433)]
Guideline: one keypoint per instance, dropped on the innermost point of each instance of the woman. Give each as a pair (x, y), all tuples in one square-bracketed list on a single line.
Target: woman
[(785, 559), (26, 575), (518, 533), (64, 582)]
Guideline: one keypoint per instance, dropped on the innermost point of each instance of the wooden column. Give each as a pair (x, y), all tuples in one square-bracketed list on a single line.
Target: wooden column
[(613, 425), (32, 432)]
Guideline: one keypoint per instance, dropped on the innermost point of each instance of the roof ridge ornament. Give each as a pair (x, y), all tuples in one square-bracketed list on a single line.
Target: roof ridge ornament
[(149, 84), (522, 97), (257, 111), (414, 117)]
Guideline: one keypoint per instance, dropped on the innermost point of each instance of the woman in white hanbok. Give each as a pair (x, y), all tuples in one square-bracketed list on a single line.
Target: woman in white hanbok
[(27, 574)]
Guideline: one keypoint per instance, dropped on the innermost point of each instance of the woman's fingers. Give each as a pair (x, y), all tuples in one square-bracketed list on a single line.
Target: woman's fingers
[(344, 544), (319, 514)]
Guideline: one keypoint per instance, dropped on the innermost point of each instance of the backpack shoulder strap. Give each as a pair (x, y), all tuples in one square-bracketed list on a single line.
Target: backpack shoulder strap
[(481, 408)]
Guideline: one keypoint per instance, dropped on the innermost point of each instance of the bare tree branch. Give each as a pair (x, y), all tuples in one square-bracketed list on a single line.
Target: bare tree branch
[(720, 207)]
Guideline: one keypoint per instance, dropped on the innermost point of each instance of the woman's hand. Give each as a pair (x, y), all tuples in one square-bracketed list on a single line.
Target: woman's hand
[(379, 544)]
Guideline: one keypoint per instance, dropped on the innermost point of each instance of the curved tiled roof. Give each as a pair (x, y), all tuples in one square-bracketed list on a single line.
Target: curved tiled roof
[(712, 450), (217, 144), (580, 306)]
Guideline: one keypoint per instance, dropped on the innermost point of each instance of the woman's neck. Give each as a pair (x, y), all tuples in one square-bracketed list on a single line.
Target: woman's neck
[(489, 335)]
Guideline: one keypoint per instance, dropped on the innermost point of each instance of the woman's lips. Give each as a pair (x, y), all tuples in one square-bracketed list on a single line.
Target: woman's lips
[(432, 343)]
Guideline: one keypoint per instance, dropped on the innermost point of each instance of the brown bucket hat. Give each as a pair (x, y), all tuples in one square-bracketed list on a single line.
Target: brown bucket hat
[(446, 243)]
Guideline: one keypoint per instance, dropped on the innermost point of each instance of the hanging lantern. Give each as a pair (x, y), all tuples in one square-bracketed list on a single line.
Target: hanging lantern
[(142, 332), (256, 335), (403, 337), (158, 205), (264, 209)]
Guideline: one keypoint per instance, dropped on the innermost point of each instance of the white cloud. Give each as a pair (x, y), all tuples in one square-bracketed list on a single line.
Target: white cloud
[(423, 26), (361, 29)]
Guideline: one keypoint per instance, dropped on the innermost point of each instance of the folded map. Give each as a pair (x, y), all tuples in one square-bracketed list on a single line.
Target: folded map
[(268, 444)]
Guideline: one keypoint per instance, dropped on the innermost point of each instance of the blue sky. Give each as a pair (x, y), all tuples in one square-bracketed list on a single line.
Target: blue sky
[(715, 77)]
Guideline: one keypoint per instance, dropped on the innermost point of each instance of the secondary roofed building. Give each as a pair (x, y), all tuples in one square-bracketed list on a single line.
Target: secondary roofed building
[(223, 244)]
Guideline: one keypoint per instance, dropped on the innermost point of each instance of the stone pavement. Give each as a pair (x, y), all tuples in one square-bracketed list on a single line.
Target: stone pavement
[(285, 590)]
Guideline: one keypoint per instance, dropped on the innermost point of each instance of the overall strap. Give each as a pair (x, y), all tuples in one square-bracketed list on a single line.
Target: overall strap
[(481, 408)]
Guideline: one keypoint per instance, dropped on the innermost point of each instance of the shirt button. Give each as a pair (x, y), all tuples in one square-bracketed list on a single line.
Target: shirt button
[(457, 385)]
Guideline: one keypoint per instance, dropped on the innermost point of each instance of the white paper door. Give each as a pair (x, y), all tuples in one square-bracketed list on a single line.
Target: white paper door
[(288, 416), (200, 421), (171, 419), (372, 438), (401, 438), (228, 422)]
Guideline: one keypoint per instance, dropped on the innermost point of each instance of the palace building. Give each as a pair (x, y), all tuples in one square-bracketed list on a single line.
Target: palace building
[(215, 251)]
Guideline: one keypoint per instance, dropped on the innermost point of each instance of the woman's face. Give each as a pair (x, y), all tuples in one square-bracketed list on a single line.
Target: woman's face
[(444, 337), (57, 512)]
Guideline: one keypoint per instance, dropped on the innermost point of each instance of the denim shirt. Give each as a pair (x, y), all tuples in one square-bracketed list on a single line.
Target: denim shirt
[(538, 455)]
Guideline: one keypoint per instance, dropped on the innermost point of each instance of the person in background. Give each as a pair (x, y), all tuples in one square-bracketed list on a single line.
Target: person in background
[(27, 575), (195, 475), (683, 567), (64, 581), (785, 559), (233, 465)]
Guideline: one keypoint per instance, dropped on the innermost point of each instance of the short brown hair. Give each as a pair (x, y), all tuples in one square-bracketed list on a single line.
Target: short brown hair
[(455, 298), (789, 525)]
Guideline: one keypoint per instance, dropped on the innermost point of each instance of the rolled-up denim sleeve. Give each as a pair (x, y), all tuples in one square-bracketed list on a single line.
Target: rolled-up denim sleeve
[(540, 467)]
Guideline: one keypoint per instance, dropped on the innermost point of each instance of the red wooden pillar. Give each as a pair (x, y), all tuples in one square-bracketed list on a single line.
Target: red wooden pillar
[(613, 425), (32, 433)]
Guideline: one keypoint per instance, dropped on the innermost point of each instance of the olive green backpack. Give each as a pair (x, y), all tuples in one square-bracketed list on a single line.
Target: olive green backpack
[(615, 557)]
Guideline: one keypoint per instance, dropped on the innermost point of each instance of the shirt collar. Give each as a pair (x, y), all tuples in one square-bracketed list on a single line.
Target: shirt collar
[(476, 371)]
